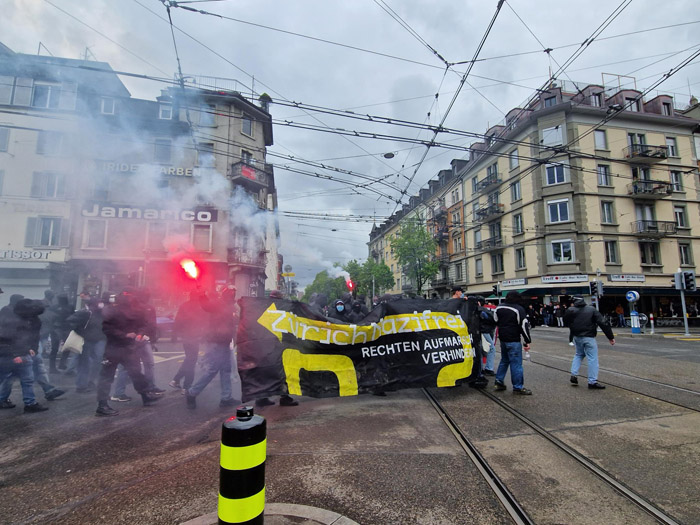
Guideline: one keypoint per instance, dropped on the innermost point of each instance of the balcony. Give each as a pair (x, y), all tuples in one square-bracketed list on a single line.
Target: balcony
[(439, 211), (441, 235), (253, 176), (654, 228), (494, 243), (407, 287), (487, 183), (488, 212), (442, 282), (645, 154), (443, 259), (246, 257), (649, 189)]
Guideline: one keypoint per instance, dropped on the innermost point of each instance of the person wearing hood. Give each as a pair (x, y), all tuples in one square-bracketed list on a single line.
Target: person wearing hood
[(19, 341), (339, 311), (513, 325), (46, 322), (318, 303), (356, 314), (189, 324), (59, 331), (582, 320), (87, 323)]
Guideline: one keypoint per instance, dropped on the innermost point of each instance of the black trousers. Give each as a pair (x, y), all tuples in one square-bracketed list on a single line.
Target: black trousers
[(187, 367), (114, 356)]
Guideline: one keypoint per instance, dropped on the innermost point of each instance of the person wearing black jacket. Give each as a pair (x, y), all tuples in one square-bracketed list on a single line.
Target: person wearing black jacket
[(59, 332), (190, 321), (582, 320), (87, 323), (513, 325), (123, 326)]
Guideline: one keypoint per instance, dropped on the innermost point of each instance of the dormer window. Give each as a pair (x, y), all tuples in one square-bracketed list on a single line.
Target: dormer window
[(550, 101), (107, 106), (632, 104), (596, 100), (666, 109), (165, 112)]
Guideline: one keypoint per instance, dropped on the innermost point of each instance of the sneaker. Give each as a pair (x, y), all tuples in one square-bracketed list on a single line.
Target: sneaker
[(122, 398), (7, 404), (106, 411), (287, 401), (157, 391), (522, 391), (596, 386), (174, 384), (228, 403), (53, 394), (191, 401), (149, 398), (36, 407), (264, 402), (573, 380), (489, 372), (499, 386), (571, 344)]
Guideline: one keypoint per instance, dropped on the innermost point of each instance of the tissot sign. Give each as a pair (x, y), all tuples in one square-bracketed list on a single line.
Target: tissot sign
[(104, 211)]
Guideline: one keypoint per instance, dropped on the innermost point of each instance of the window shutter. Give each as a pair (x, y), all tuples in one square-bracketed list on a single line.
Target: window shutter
[(69, 92), (23, 91), (30, 234), (37, 186), (64, 239)]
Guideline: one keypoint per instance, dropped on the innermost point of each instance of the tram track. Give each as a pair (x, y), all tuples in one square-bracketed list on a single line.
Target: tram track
[(509, 502)]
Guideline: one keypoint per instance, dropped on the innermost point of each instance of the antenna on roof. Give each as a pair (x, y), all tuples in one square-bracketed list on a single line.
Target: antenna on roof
[(38, 52)]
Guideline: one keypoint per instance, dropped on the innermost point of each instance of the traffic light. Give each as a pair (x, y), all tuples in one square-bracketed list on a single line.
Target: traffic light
[(593, 288), (678, 281), (689, 281), (599, 288), (495, 289)]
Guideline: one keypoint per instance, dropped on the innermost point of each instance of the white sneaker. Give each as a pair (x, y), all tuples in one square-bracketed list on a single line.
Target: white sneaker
[(571, 344)]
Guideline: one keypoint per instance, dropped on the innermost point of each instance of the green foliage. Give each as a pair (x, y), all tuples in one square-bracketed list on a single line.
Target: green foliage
[(323, 283), (362, 274), (415, 249)]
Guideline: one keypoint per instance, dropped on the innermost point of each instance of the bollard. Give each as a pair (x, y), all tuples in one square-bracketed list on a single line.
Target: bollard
[(651, 318), (242, 468)]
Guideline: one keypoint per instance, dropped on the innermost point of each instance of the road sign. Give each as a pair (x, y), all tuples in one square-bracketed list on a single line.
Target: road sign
[(632, 296), (288, 274)]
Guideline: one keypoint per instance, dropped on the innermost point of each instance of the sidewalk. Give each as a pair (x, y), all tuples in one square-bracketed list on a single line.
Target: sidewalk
[(674, 332), (284, 514)]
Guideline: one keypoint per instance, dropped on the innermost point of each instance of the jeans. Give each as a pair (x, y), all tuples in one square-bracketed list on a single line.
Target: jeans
[(491, 356), (96, 364), (87, 362), (23, 370), (586, 347), (560, 321), (114, 356), (186, 370), (621, 320), (218, 360), (144, 351), (41, 377), (511, 355)]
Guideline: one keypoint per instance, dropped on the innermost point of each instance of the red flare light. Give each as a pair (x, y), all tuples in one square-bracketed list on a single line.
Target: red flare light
[(190, 267)]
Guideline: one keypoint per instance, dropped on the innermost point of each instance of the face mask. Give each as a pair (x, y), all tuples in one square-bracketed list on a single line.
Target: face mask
[(340, 308)]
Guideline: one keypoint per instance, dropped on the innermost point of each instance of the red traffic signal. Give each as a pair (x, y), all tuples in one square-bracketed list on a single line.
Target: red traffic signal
[(350, 285)]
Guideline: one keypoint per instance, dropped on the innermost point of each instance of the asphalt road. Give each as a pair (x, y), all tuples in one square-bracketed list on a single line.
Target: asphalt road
[(382, 460)]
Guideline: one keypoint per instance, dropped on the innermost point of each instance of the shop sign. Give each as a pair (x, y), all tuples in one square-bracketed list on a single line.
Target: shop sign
[(514, 282), (123, 167), (24, 255), (636, 277), (564, 278), (138, 212)]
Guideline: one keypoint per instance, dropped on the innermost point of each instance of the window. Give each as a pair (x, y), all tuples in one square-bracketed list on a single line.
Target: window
[(6, 83), (685, 254), (562, 251), (555, 174), (475, 208), (207, 115), (457, 244), (671, 146), (477, 237), (515, 194), (100, 188), (666, 109), (4, 139), (611, 252), (632, 104), (458, 271), (46, 232), (552, 136), (677, 180), (201, 237), (607, 213), (520, 258), (475, 185), (48, 185), (46, 95), (479, 267), (550, 101), (497, 263), (604, 176), (50, 143), (636, 138), (455, 196), (680, 216), (247, 157), (517, 223), (513, 159), (205, 155), (165, 112), (492, 172), (163, 151), (493, 198), (601, 141), (95, 234), (107, 106), (558, 210), (649, 253), (247, 125), (2, 180), (596, 100), (456, 219)]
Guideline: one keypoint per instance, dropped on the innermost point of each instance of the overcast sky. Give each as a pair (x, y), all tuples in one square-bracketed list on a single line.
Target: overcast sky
[(384, 58)]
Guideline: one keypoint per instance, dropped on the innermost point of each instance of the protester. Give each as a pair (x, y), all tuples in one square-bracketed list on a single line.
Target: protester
[(319, 304), (582, 320), (190, 321), (87, 323), (512, 326), (488, 331), (457, 292), (59, 331), (356, 314), (559, 314), (46, 323), (339, 311)]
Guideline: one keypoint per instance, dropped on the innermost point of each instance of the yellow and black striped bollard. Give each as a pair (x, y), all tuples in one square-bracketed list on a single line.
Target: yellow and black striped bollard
[(242, 468)]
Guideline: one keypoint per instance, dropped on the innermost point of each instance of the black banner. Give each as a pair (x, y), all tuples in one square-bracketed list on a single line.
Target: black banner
[(284, 347)]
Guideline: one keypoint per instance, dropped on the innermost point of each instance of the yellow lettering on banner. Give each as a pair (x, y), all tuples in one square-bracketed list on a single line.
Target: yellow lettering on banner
[(341, 365), (449, 374), (241, 510), (242, 458)]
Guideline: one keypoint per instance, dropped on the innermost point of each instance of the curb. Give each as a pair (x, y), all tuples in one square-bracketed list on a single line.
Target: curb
[(314, 515)]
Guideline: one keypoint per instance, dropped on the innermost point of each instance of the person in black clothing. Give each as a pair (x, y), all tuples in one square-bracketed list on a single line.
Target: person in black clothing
[(190, 321), (318, 303), (512, 324), (339, 311), (46, 323), (356, 315), (88, 324), (582, 320), (59, 331), (123, 326)]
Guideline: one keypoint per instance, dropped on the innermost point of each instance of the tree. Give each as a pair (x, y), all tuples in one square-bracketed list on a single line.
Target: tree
[(334, 288), (369, 273), (414, 248)]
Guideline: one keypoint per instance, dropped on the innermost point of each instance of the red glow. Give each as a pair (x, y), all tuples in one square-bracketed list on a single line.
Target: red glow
[(350, 284), (190, 268)]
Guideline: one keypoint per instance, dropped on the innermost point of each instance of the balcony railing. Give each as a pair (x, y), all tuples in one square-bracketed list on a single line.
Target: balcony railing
[(441, 235), (650, 189), (442, 282), (249, 174), (488, 212), (488, 182), (439, 210), (490, 244), (247, 257), (443, 259), (645, 154), (654, 228)]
